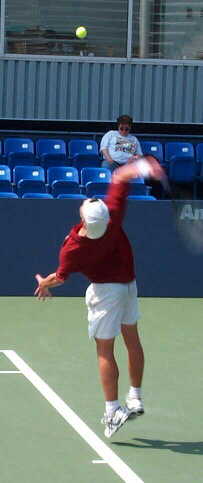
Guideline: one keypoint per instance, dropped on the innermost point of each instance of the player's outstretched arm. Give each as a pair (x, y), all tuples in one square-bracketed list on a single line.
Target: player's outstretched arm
[(142, 167), (44, 284)]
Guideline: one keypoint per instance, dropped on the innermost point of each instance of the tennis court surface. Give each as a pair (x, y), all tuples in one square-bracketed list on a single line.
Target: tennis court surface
[(51, 401)]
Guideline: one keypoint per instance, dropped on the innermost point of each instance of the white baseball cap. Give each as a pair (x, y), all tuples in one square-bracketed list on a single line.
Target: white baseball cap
[(95, 214)]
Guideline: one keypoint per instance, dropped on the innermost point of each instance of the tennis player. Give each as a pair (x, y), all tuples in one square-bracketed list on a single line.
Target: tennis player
[(99, 248)]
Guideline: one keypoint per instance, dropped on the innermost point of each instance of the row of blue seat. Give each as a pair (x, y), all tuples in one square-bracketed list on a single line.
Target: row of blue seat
[(49, 152), (61, 180), (16, 146), (185, 163), (48, 146), (182, 168), (65, 179), (66, 173), (67, 196), (80, 161)]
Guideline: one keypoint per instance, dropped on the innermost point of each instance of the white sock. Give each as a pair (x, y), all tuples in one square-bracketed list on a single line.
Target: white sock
[(111, 407), (135, 392)]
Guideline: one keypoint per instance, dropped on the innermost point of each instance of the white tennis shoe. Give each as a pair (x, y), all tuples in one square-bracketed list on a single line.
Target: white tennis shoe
[(135, 406), (114, 422)]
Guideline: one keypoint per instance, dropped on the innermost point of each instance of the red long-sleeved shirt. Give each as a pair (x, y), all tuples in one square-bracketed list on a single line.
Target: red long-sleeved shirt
[(108, 259)]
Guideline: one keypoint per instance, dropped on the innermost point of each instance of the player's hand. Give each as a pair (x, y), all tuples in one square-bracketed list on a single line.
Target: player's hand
[(140, 167), (133, 158), (156, 170), (41, 292), (125, 173)]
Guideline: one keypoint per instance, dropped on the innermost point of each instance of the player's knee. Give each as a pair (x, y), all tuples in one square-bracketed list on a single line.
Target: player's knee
[(105, 348), (130, 335)]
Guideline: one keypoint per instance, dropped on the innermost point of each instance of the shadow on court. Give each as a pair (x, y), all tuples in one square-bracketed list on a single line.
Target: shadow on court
[(176, 446)]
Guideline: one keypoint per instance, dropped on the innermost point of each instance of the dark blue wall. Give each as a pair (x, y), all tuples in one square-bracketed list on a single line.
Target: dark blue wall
[(32, 231)]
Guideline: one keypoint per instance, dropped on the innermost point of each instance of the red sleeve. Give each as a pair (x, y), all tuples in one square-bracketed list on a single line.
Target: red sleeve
[(116, 200), (67, 263)]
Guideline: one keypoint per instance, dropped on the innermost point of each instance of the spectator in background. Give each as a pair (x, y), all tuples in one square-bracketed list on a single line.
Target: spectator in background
[(120, 147)]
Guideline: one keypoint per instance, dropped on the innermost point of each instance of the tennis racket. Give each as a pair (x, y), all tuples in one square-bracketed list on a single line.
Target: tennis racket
[(188, 213), (189, 223)]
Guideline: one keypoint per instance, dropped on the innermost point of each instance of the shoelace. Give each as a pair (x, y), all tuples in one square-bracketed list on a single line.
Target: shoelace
[(109, 419)]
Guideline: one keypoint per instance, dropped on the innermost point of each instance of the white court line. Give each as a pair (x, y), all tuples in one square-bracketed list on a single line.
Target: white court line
[(99, 462), (116, 463), (10, 372)]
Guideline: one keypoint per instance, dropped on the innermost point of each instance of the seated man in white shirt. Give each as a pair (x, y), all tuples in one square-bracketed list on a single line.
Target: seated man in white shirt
[(120, 147)]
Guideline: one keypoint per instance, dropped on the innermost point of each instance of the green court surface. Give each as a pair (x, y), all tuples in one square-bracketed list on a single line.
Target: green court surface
[(38, 444)]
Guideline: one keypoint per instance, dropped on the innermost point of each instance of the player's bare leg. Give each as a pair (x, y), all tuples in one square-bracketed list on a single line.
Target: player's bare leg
[(115, 416), (108, 368), (135, 354), (135, 367)]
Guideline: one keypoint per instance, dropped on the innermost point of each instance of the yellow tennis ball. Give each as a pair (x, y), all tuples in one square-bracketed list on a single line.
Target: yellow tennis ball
[(81, 32)]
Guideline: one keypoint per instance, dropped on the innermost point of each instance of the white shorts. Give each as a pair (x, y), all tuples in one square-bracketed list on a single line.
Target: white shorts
[(110, 305)]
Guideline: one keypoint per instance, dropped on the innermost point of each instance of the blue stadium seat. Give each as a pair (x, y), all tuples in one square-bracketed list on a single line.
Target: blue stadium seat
[(62, 173), (1, 148), (98, 138), (96, 175), (199, 152), (138, 189), (52, 160), (74, 196), (183, 170), (199, 157), (8, 195), (21, 159), (29, 179), (30, 186), (182, 150), (50, 146), (5, 178), (154, 148), (63, 180), (81, 161), (28, 172), (137, 180), (64, 187), (38, 195), (98, 190), (142, 197), (18, 145), (82, 146), (200, 172)]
